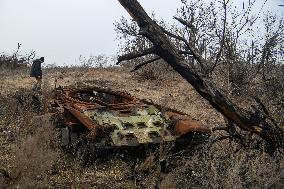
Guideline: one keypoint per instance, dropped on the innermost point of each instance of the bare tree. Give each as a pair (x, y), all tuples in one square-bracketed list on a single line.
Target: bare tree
[(218, 38), (257, 122)]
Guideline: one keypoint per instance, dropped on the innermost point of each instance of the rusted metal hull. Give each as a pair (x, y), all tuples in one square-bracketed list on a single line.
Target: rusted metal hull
[(119, 119)]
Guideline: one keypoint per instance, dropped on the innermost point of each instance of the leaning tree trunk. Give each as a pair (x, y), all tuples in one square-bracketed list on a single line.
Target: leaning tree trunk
[(246, 120)]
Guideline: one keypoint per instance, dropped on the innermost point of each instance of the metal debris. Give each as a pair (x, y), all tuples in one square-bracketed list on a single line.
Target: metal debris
[(117, 119)]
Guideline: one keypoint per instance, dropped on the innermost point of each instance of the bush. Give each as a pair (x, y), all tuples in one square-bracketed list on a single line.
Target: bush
[(225, 165)]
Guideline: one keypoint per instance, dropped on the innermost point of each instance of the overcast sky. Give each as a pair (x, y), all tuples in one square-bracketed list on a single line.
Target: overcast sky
[(62, 30)]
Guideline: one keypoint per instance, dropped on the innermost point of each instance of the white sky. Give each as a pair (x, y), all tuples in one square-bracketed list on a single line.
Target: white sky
[(62, 30)]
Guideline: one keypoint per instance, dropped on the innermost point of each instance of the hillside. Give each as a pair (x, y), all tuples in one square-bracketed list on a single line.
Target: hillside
[(31, 156)]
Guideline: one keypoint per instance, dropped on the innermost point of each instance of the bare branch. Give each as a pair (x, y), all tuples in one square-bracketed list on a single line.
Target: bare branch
[(223, 37), (165, 49), (193, 50), (191, 27), (145, 63), (151, 50), (183, 22), (185, 52), (265, 110), (131, 56)]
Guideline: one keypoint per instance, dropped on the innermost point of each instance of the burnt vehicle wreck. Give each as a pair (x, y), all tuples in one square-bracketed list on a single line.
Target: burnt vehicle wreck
[(110, 119)]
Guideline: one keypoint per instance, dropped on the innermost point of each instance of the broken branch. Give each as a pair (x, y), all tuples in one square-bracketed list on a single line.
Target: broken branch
[(131, 56), (183, 22), (145, 63)]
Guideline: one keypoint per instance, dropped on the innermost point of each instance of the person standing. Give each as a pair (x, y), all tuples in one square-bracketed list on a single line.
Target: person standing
[(36, 72)]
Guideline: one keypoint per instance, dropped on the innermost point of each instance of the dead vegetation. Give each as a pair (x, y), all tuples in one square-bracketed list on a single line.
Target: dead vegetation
[(16, 61), (175, 47), (30, 156), (225, 165)]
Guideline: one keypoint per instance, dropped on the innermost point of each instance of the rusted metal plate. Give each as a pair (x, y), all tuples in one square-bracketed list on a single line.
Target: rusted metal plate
[(118, 119), (82, 118), (184, 124)]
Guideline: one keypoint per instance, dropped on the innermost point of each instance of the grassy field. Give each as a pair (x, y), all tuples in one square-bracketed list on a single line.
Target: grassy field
[(31, 157)]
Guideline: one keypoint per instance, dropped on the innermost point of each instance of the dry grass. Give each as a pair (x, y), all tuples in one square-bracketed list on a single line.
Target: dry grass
[(33, 159), (30, 153), (226, 165)]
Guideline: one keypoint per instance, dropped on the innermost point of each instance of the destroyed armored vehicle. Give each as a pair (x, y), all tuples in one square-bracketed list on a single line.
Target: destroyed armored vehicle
[(110, 119)]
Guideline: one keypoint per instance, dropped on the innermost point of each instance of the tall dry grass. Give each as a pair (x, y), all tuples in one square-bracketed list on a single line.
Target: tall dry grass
[(226, 165), (33, 158)]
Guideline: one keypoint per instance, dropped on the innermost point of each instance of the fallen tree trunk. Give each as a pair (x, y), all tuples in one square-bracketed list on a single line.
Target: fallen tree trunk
[(246, 120)]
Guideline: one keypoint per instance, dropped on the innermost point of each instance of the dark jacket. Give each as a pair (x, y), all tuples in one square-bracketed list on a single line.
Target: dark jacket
[(36, 69)]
